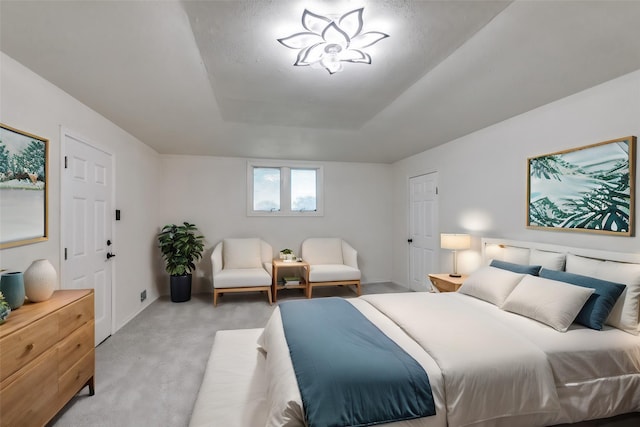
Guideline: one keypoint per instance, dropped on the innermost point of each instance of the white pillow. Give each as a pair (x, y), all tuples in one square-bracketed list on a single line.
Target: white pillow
[(547, 259), (491, 284), (548, 301), (516, 255), (625, 314), (582, 265), (241, 253)]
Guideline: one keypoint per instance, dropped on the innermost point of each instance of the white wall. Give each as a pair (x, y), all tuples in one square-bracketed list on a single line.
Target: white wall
[(34, 105), (211, 192), (482, 186), (483, 176)]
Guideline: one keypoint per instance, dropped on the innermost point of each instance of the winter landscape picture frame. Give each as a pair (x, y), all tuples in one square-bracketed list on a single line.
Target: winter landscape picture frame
[(23, 187), (589, 189)]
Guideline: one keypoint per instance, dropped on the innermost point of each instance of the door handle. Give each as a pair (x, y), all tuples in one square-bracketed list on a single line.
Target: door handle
[(110, 255), (409, 240)]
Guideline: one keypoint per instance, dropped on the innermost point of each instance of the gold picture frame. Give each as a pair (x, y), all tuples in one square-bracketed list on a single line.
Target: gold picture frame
[(588, 189), (24, 171)]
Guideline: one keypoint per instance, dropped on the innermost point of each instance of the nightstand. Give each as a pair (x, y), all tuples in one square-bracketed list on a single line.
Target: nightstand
[(445, 283)]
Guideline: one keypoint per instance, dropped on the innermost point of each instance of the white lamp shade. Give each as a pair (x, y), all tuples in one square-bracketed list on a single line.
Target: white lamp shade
[(455, 241)]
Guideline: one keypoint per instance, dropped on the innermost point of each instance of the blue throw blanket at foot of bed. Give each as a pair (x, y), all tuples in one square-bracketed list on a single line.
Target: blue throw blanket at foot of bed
[(349, 372)]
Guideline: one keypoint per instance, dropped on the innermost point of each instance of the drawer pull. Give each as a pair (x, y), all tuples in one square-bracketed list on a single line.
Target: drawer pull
[(29, 347), (78, 345), (79, 316)]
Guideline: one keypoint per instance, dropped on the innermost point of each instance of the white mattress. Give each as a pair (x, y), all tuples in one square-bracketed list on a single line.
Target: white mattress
[(283, 397), (596, 372), (234, 388), (583, 374), (491, 375), (578, 355)]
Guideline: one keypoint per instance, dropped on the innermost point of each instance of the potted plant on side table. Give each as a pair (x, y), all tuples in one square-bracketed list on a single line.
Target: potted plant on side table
[(286, 255), (181, 245)]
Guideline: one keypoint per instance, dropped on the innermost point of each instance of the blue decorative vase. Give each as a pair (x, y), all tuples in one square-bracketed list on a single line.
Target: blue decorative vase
[(12, 287)]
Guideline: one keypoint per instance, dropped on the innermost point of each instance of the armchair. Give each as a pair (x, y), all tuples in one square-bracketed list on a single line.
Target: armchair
[(332, 261), (241, 265)]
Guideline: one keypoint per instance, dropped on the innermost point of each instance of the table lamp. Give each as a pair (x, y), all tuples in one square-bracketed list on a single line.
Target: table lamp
[(455, 242)]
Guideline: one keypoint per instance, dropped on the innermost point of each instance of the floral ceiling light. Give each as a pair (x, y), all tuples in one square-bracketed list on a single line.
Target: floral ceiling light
[(329, 42)]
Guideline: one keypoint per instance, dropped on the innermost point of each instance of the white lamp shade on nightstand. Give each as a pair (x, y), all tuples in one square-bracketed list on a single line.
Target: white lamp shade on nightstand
[(455, 242)]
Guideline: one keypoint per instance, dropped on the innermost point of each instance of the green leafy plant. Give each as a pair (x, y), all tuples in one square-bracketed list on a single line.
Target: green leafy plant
[(4, 309), (181, 246), (286, 251)]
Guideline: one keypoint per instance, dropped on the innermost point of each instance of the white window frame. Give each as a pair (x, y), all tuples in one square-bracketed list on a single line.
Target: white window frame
[(285, 187)]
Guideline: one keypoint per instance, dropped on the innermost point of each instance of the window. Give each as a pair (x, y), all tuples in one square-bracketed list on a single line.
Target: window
[(304, 189), (266, 189), (278, 189)]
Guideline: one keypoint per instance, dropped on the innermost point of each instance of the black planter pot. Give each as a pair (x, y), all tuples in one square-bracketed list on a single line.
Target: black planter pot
[(181, 288)]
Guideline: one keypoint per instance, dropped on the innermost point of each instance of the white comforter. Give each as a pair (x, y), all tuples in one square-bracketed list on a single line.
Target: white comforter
[(489, 372), (481, 372)]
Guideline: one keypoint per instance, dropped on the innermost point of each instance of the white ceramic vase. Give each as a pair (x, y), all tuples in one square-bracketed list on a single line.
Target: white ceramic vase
[(40, 280)]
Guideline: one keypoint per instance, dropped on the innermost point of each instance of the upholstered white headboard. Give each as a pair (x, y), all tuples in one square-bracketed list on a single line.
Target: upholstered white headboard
[(511, 250), (616, 267)]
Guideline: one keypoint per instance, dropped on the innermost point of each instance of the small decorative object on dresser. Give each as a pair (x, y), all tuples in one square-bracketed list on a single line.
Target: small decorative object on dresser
[(12, 287), (445, 283), (5, 309), (40, 280)]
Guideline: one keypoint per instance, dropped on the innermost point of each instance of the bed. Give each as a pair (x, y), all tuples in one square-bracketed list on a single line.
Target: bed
[(493, 355)]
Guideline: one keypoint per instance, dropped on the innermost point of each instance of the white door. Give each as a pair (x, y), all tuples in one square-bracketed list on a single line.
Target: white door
[(423, 229), (87, 190)]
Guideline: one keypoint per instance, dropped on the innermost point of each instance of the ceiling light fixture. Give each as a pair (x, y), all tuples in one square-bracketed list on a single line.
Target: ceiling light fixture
[(329, 41)]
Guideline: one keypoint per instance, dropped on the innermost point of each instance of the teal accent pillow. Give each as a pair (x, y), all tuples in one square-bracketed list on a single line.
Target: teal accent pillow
[(516, 268), (599, 305)]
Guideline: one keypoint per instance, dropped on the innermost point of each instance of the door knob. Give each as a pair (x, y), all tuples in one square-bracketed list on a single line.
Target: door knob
[(110, 255)]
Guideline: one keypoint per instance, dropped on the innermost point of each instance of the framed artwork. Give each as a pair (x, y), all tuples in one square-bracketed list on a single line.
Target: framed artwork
[(23, 187), (589, 189)]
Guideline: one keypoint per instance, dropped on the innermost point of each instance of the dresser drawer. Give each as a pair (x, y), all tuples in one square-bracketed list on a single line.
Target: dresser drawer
[(18, 349), (77, 376), (31, 396), (76, 345), (75, 315)]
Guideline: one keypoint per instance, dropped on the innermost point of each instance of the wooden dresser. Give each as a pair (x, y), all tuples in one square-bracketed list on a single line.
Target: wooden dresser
[(46, 356)]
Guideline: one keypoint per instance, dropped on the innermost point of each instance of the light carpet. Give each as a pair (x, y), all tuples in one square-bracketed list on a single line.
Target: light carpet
[(150, 371)]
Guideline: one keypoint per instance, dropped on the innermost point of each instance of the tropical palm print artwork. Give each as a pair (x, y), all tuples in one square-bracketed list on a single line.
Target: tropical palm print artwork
[(588, 189)]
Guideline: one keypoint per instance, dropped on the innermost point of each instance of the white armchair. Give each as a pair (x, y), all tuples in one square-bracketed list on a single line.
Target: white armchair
[(241, 265), (332, 262)]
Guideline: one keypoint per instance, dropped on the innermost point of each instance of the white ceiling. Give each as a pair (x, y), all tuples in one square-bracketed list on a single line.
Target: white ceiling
[(209, 77)]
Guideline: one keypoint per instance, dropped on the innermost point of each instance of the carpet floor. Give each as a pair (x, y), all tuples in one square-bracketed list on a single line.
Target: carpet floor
[(149, 372)]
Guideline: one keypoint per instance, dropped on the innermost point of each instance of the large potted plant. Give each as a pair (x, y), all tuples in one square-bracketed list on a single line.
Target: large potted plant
[(181, 246)]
